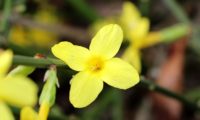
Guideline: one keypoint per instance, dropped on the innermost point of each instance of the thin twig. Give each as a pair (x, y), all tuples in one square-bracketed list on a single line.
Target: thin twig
[(153, 87), (63, 30), (41, 63), (23, 60), (6, 15), (176, 9), (84, 9)]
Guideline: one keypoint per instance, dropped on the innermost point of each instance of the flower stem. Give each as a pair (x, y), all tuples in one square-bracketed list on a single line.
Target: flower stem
[(40, 63), (176, 9), (6, 14), (153, 87), (84, 9)]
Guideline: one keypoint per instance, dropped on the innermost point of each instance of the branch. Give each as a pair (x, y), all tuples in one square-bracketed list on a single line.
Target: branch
[(59, 29), (153, 87), (176, 9), (84, 9), (23, 60), (6, 15), (40, 63)]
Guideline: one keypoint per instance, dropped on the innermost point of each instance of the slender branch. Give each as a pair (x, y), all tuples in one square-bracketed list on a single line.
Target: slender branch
[(41, 63), (153, 87), (59, 29), (84, 9), (23, 60), (6, 14), (176, 9), (144, 6)]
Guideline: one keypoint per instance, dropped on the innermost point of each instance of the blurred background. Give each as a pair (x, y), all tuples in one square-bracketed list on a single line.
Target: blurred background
[(170, 58)]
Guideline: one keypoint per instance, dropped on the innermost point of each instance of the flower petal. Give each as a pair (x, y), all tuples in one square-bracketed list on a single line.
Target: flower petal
[(130, 13), (132, 56), (107, 41), (140, 32), (18, 91), (74, 56), (85, 87), (5, 62), (5, 112), (120, 74), (27, 113)]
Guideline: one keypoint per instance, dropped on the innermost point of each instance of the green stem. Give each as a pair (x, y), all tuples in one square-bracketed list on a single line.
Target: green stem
[(118, 105), (144, 6), (176, 9), (41, 63), (84, 9), (153, 87), (6, 14), (22, 60)]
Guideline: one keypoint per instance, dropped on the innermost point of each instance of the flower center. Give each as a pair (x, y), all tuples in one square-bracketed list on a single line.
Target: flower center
[(95, 64)]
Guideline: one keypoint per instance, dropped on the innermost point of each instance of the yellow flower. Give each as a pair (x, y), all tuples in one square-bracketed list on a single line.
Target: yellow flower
[(44, 38), (19, 36), (15, 90), (27, 113), (96, 65), (34, 36), (136, 29)]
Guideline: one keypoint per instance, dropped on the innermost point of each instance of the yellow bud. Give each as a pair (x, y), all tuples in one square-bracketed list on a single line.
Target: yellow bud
[(44, 111)]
